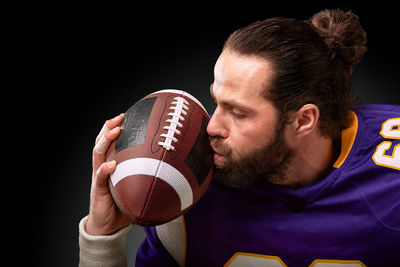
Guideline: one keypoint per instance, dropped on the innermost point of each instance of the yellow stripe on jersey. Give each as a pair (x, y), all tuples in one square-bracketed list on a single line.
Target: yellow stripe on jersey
[(348, 137)]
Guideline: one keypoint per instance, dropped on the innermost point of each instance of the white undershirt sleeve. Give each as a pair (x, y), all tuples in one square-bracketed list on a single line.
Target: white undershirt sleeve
[(109, 250)]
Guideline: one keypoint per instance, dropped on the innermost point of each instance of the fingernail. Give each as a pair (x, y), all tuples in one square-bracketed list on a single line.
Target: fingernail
[(117, 117), (111, 164)]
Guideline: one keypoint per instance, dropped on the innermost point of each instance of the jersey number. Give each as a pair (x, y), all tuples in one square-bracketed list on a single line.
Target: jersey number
[(390, 130)]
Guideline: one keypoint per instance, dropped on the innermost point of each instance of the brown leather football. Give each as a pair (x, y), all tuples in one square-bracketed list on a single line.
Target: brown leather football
[(164, 158)]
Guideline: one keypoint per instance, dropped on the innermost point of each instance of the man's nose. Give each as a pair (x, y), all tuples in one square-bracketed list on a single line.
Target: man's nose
[(218, 125)]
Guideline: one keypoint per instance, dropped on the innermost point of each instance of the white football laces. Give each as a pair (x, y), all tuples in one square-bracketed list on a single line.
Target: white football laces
[(178, 106)]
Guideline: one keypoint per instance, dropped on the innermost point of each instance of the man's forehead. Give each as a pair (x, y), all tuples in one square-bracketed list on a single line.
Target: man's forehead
[(236, 72)]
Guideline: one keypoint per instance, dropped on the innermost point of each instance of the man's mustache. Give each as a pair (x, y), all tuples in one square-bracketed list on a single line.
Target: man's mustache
[(217, 145)]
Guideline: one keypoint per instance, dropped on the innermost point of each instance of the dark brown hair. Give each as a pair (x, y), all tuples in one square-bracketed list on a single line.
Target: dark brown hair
[(313, 61)]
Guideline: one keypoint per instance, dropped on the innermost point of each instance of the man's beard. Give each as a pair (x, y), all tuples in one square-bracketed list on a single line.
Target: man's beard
[(267, 164)]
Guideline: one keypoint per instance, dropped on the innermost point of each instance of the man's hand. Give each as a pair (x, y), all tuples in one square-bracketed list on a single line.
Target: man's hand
[(104, 216)]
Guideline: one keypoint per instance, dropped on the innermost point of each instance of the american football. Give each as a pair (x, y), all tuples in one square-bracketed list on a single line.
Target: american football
[(163, 155)]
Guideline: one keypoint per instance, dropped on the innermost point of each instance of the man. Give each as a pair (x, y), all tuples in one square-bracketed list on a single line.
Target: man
[(305, 176)]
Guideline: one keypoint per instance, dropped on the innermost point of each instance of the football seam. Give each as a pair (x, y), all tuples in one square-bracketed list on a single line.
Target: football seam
[(140, 219), (146, 203)]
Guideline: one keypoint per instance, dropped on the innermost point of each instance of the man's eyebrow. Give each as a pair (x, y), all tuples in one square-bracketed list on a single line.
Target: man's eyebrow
[(231, 102)]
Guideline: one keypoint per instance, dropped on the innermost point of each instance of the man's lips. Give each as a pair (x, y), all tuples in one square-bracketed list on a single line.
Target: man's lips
[(218, 158)]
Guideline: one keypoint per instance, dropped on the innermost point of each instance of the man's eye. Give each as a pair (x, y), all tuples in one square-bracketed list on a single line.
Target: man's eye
[(238, 115)]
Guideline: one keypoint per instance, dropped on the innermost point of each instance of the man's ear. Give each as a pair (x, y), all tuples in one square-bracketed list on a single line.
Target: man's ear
[(306, 119)]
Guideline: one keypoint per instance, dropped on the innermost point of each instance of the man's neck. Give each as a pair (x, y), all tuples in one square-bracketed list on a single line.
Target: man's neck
[(313, 158)]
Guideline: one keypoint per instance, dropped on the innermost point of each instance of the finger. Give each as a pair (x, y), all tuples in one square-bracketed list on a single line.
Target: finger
[(103, 172), (103, 130), (100, 149), (106, 139), (109, 125)]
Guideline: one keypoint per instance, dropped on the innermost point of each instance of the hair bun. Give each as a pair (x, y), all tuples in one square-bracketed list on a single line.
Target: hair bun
[(342, 34)]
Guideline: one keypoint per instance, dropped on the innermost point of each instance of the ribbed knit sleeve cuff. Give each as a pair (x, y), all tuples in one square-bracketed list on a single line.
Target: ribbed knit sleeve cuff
[(107, 250)]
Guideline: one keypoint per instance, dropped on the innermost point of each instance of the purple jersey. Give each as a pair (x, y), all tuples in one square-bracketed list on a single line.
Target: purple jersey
[(351, 217)]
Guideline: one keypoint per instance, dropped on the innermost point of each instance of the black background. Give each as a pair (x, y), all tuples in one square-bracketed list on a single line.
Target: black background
[(82, 65)]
